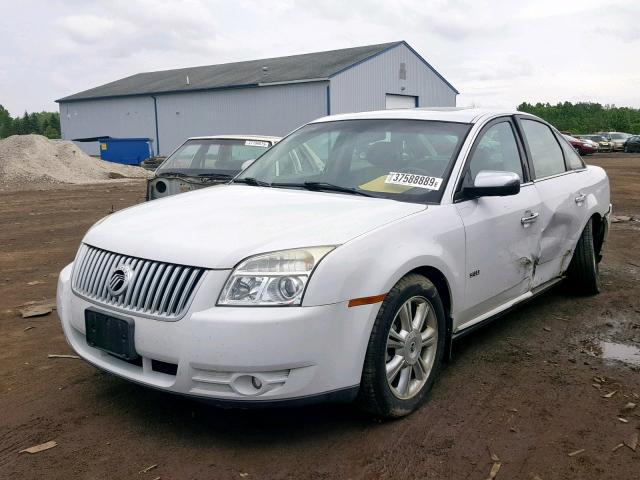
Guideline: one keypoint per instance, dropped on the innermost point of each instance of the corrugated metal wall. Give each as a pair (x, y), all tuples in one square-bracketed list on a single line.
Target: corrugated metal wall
[(270, 110), (363, 87), (117, 117), (273, 110)]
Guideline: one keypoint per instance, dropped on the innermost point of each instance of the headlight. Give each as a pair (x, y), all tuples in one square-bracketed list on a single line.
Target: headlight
[(277, 278)]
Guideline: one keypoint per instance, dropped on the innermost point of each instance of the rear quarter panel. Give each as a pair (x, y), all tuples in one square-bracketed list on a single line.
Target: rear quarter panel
[(596, 186)]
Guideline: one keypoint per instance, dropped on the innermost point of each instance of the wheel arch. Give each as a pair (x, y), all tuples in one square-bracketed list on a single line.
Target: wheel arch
[(599, 226), (441, 283)]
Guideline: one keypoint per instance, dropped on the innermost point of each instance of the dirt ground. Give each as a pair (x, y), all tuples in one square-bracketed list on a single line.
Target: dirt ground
[(530, 388)]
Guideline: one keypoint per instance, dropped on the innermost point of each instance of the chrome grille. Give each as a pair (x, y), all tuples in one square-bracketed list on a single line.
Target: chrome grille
[(156, 289)]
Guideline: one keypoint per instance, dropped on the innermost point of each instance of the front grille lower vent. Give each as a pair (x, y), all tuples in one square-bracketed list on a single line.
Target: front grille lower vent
[(157, 289)]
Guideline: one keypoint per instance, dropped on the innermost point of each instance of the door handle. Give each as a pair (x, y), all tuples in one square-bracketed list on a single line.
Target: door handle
[(529, 217), (580, 198)]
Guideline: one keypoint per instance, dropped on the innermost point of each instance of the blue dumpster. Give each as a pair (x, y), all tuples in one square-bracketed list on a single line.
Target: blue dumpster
[(130, 151)]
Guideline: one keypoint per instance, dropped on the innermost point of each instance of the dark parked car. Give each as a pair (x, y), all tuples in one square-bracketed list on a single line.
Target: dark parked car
[(632, 144)]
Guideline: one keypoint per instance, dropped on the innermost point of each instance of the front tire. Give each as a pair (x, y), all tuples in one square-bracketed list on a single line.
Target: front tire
[(405, 349), (583, 273)]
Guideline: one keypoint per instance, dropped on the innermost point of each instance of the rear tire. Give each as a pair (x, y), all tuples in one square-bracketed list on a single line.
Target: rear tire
[(405, 349), (583, 273)]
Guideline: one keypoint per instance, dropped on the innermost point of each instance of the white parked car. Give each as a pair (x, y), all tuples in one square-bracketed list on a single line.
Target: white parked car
[(205, 161), (342, 263)]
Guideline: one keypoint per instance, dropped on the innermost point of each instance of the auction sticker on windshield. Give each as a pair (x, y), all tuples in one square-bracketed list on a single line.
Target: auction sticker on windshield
[(256, 143), (414, 180)]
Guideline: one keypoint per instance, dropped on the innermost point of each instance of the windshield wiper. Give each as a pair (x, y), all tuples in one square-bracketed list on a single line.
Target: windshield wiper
[(324, 186), (215, 175), (171, 174), (252, 181)]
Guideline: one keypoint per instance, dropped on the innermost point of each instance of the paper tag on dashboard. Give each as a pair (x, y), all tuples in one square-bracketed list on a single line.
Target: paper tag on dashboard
[(256, 143), (414, 180)]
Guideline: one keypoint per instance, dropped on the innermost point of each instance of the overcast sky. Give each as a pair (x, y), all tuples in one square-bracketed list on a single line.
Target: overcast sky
[(497, 53)]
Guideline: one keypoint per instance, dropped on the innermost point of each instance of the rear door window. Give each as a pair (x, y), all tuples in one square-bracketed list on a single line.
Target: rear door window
[(546, 153), (574, 162)]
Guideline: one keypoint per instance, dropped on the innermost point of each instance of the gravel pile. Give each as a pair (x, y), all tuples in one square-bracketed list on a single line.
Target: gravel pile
[(34, 161)]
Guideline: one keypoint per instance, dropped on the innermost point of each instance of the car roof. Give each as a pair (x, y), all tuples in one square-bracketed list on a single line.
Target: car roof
[(264, 138), (448, 114)]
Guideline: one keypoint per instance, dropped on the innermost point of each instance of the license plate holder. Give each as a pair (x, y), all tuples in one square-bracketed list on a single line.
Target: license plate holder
[(111, 334)]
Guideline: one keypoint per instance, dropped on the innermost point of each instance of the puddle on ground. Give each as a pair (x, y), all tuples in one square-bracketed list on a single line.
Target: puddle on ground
[(619, 351), (628, 354)]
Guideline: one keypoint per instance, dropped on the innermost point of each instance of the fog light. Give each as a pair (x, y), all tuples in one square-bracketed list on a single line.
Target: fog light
[(161, 187), (256, 382)]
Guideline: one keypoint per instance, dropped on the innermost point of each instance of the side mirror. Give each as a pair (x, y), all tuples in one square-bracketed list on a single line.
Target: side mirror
[(491, 183), (248, 163)]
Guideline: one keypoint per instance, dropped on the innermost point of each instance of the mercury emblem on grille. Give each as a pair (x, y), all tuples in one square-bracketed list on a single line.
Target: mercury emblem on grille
[(119, 280)]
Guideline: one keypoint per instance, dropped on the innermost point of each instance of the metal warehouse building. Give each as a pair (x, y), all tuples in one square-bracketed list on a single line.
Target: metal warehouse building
[(265, 97)]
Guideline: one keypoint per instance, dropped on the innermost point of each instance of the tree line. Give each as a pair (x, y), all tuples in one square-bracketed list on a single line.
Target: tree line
[(586, 117), (42, 123)]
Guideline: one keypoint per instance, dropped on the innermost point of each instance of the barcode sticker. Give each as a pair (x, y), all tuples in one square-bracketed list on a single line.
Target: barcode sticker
[(256, 143), (414, 180)]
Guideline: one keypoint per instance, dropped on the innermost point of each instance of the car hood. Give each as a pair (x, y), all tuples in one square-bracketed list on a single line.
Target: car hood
[(217, 227)]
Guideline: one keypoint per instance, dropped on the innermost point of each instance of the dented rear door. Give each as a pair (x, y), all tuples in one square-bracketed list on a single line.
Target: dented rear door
[(562, 217), (560, 189)]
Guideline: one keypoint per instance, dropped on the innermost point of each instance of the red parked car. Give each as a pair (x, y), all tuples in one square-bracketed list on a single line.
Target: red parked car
[(582, 147)]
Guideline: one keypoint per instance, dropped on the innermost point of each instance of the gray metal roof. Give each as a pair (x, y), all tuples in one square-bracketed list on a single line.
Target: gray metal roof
[(252, 73)]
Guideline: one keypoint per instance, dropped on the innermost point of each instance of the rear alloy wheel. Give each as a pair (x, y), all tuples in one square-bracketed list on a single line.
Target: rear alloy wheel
[(583, 273), (405, 349)]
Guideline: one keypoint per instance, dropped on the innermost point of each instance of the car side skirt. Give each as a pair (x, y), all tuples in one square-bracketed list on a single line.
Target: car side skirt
[(503, 309)]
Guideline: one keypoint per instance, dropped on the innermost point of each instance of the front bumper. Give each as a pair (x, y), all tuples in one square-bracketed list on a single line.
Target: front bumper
[(217, 352)]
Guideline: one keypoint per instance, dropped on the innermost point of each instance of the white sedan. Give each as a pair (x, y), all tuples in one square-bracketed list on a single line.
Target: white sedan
[(340, 265)]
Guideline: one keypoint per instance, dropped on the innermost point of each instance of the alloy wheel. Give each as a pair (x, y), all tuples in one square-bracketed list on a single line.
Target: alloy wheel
[(411, 347)]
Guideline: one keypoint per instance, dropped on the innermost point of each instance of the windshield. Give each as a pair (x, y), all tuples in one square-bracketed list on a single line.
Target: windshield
[(598, 138), (407, 160), (213, 156), (619, 136)]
